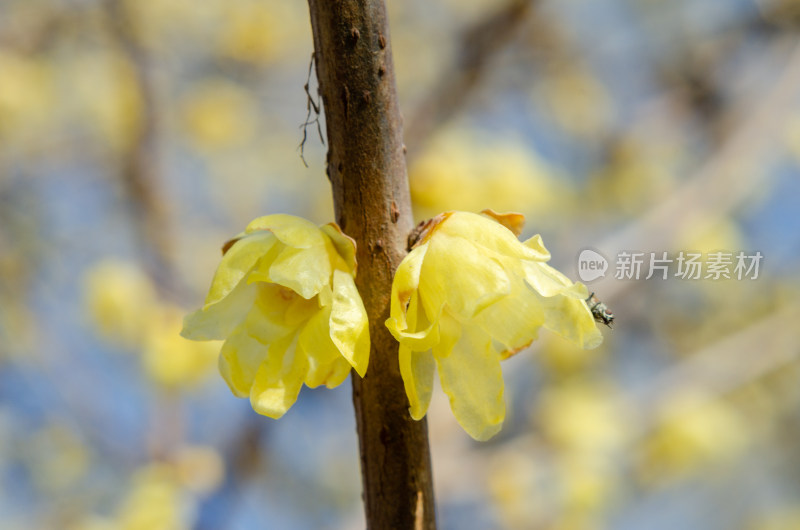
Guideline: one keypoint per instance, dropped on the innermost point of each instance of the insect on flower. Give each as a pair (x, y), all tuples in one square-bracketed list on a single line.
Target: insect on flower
[(600, 311)]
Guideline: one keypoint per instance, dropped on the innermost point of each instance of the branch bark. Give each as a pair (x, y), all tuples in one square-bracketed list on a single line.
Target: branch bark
[(367, 170)]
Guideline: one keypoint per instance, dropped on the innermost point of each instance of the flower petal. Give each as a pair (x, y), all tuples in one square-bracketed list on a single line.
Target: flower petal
[(345, 245), (417, 370), (404, 326), (472, 379), (267, 320), (487, 234), (548, 281), (218, 320), (479, 281), (292, 231), (404, 285), (239, 360), (279, 378), (240, 258), (349, 328), (536, 244), (341, 369), (514, 320), (572, 319), (315, 341), (305, 271), (511, 220)]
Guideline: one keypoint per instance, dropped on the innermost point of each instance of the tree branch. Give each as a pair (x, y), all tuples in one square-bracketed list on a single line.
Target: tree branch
[(367, 171)]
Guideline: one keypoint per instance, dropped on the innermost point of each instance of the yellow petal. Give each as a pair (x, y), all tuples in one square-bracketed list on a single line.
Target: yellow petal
[(570, 318), (511, 220), (345, 245), (236, 263), (405, 283), (487, 234), (349, 328), (315, 341), (458, 273), (267, 319), (514, 320), (341, 369), (305, 271), (239, 361), (472, 379), (536, 244), (279, 378), (545, 280), (417, 370), (290, 230), (220, 319)]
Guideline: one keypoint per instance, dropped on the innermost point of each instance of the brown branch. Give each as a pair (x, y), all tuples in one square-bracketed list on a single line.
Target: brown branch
[(367, 170), (479, 44), (139, 172)]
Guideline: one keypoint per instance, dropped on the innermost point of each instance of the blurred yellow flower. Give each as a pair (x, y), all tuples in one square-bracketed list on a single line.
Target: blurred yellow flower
[(463, 171), (169, 358), (218, 114), (284, 299), (584, 416), (468, 295), (694, 432), (251, 31), (26, 94), (155, 501), (119, 299)]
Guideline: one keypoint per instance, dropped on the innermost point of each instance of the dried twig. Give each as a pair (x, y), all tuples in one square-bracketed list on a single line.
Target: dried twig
[(311, 106)]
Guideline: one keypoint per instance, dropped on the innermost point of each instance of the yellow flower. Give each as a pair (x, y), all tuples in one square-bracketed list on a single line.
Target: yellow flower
[(119, 300), (286, 303), (169, 358), (469, 295)]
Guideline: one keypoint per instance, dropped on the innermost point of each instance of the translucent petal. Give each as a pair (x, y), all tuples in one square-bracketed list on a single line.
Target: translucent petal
[(218, 320), (260, 272), (572, 319), (290, 230), (267, 320), (345, 245), (458, 273), (325, 296), (417, 370), (536, 244), (305, 271), (279, 378), (548, 281), (337, 261), (511, 220), (315, 341), (239, 360), (236, 263), (472, 379), (341, 369), (404, 285), (486, 233), (423, 333), (514, 320), (349, 328)]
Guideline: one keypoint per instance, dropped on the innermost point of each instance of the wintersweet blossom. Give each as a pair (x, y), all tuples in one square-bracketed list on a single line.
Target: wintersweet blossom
[(468, 295), (285, 301)]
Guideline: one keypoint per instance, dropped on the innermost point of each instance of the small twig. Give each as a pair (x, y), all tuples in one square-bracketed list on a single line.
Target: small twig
[(314, 106), (479, 43)]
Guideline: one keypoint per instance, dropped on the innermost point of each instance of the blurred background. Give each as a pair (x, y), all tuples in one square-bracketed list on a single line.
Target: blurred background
[(138, 136)]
